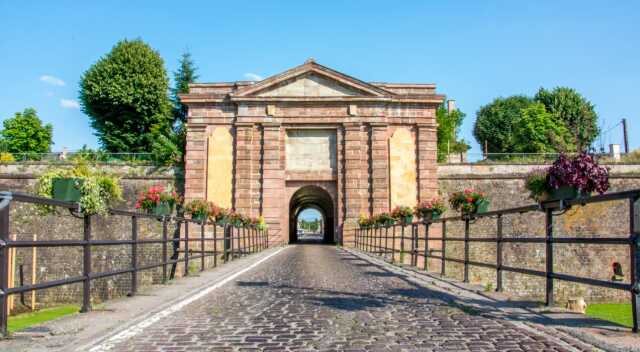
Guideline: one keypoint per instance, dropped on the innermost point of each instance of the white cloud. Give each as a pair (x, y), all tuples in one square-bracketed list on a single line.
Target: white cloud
[(54, 81), (253, 76), (69, 104)]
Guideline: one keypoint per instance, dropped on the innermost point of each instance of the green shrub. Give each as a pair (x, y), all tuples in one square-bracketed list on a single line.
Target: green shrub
[(98, 189)]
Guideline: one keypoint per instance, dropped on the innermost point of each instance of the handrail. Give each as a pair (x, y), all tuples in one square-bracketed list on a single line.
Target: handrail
[(235, 242), (371, 240)]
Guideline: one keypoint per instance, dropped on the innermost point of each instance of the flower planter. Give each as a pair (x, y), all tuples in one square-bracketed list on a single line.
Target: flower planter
[(199, 217), (67, 189), (162, 209), (429, 215), (563, 193), (482, 206), (407, 220), (222, 221)]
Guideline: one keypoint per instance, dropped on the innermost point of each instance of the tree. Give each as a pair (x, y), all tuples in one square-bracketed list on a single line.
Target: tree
[(495, 123), (576, 112), (538, 131), (125, 95), (25, 133), (448, 128), (185, 74), (170, 148)]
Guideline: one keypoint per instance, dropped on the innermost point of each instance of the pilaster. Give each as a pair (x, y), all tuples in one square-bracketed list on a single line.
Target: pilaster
[(274, 204), (379, 168), (195, 162), (427, 161)]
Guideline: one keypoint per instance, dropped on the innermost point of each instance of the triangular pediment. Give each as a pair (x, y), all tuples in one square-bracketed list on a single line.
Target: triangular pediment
[(310, 85), (308, 81)]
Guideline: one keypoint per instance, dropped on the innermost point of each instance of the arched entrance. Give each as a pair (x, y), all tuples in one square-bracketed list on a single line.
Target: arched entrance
[(316, 198)]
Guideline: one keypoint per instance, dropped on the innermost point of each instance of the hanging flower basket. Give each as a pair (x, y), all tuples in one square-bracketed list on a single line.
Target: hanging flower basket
[(568, 179), (93, 189), (403, 214), (198, 209), (469, 202), (430, 210), (67, 189), (163, 208), (157, 201)]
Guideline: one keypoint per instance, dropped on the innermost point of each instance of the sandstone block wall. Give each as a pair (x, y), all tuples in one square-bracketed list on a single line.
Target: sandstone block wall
[(504, 185), (65, 262)]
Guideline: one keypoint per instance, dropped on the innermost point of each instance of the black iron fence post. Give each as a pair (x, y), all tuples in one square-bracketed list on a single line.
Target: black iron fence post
[(4, 268), (466, 250), (231, 242), (549, 257), (499, 254), (366, 240), (402, 243), (443, 265), (134, 255), (634, 226), (215, 245), (186, 248), (380, 249), (254, 240), (226, 244), (164, 250), (365, 235), (86, 265), (426, 246), (393, 244), (413, 245), (244, 241), (374, 248), (386, 241), (202, 261)]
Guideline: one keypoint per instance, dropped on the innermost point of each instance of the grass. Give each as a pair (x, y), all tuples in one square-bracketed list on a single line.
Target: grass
[(22, 321), (619, 313)]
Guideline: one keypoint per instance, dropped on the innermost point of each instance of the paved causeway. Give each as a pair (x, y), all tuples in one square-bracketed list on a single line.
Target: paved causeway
[(314, 297)]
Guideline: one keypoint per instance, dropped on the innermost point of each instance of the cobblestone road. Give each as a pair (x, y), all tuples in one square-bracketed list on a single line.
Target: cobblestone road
[(313, 297)]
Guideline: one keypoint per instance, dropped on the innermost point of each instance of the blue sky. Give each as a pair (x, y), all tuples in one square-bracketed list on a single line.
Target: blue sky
[(473, 50)]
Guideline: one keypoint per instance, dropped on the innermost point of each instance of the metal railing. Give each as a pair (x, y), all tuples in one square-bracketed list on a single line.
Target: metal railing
[(531, 158), (236, 241), (377, 241), (67, 156)]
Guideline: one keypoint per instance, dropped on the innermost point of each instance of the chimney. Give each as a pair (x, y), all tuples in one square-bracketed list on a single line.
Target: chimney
[(451, 105)]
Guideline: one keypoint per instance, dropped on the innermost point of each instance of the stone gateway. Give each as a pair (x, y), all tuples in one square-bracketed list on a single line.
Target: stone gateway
[(311, 137)]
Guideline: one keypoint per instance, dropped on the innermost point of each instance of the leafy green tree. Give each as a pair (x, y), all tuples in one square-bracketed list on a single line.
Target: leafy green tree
[(448, 127), (576, 112), (25, 133), (170, 148), (496, 121), (125, 95), (538, 131), (185, 74)]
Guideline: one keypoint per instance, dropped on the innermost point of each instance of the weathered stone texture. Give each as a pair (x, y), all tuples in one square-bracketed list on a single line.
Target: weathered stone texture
[(314, 125), (504, 185), (402, 166), (64, 262), (219, 167)]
